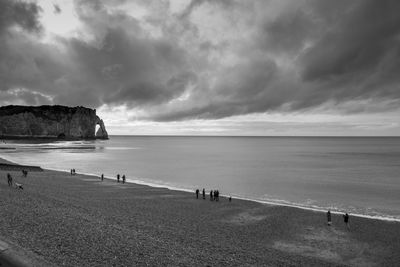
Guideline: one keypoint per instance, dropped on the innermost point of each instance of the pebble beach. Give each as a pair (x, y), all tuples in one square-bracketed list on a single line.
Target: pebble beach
[(79, 220)]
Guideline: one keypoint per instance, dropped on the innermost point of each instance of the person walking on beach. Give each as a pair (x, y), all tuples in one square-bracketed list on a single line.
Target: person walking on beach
[(9, 179), (118, 178), (204, 193), (211, 195), (346, 220), (102, 176), (123, 178), (71, 171), (328, 216), (197, 193)]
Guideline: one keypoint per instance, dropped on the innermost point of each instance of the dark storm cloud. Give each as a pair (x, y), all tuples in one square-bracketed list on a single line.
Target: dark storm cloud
[(295, 55), (19, 13), (243, 89), (358, 43), (342, 51), (127, 70), (121, 65), (20, 55)]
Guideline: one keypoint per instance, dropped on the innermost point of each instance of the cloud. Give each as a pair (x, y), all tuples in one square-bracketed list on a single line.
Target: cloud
[(215, 59), (117, 65), (24, 15), (323, 52), (57, 9), (358, 42)]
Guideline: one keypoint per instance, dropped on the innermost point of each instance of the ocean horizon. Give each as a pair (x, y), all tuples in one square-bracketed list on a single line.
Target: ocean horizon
[(358, 175)]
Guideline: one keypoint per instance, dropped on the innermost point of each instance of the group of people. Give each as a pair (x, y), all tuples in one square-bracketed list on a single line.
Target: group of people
[(119, 178), (123, 178), (214, 195), (345, 219), (24, 173)]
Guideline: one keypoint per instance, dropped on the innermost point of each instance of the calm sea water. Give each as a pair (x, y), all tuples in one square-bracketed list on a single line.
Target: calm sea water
[(357, 175)]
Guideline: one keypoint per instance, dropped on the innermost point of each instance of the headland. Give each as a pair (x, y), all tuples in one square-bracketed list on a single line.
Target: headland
[(55, 122)]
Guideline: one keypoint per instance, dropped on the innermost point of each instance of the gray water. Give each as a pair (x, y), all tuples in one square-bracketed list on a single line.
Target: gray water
[(356, 175)]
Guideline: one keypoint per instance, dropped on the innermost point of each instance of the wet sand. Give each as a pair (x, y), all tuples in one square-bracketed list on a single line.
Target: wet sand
[(59, 219)]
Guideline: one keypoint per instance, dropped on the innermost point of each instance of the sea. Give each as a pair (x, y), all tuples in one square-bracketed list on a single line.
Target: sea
[(358, 175)]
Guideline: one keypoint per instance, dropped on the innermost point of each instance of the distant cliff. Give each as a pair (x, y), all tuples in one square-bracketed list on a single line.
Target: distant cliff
[(50, 122)]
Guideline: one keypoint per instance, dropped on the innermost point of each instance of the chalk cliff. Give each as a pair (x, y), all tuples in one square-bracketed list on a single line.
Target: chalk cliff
[(50, 122)]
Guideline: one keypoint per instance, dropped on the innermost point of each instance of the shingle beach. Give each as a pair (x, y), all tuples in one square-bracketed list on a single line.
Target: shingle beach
[(64, 220)]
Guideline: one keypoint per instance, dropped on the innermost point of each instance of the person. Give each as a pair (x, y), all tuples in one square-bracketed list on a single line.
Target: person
[(216, 194), (328, 216), (9, 179), (346, 220), (102, 176), (204, 193), (118, 178), (230, 199), (211, 195), (197, 193), (71, 172), (123, 178)]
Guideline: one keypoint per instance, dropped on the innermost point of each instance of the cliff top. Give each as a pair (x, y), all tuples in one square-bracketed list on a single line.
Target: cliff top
[(40, 110)]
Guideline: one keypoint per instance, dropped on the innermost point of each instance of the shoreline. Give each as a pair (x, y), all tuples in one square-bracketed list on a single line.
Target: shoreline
[(267, 202), (82, 221)]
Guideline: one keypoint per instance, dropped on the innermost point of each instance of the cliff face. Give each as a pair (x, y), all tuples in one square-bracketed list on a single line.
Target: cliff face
[(50, 122)]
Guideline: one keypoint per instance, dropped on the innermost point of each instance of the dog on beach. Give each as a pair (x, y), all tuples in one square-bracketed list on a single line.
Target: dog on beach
[(19, 186)]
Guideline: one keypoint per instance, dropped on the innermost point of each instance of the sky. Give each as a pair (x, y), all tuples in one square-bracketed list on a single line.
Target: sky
[(209, 67)]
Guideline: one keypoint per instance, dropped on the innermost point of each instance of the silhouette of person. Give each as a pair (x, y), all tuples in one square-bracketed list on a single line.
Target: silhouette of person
[(328, 216), (197, 193), (211, 195), (102, 176), (204, 193), (9, 179), (346, 220), (118, 178), (123, 178), (230, 199)]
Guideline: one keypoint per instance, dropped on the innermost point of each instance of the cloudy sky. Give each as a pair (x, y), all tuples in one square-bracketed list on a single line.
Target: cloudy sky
[(209, 67)]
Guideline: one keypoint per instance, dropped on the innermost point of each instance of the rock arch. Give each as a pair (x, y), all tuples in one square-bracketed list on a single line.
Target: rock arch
[(101, 132)]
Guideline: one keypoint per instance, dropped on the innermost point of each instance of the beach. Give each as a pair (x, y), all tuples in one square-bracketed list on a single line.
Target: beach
[(64, 220)]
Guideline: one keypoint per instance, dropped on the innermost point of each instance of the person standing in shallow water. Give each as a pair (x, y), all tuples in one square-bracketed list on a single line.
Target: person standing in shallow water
[(346, 220), (197, 193), (328, 216), (118, 178), (102, 176), (204, 193), (123, 178), (211, 195)]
